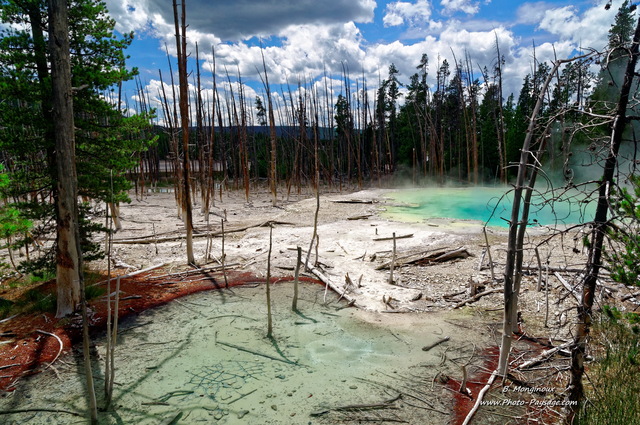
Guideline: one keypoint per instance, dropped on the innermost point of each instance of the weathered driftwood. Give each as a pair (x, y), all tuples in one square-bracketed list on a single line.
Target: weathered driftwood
[(544, 356), (435, 344), (480, 397), (386, 404), (338, 289), (267, 356), (60, 344), (476, 297), (568, 287), (629, 296), (428, 257), (186, 273), (148, 269), (410, 235), (36, 409), (148, 240), (360, 217), (355, 201)]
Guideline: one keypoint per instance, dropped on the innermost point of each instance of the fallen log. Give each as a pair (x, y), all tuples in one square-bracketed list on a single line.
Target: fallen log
[(267, 356), (476, 297), (629, 296), (435, 344), (544, 356), (410, 235), (334, 287), (386, 404), (355, 201), (572, 290), (360, 217), (423, 258), (148, 269), (148, 240), (186, 273)]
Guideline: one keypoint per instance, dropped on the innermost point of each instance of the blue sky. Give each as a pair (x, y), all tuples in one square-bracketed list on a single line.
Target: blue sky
[(303, 39)]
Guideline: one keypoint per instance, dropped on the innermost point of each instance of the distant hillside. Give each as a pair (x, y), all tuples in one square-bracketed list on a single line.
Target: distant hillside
[(286, 131)]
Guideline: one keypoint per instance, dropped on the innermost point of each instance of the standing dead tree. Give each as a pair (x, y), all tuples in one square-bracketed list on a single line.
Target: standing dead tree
[(599, 229), (528, 168), (273, 177), (181, 47)]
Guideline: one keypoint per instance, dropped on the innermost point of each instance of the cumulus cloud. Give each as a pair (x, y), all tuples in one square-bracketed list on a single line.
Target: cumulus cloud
[(306, 39), (243, 19), (402, 12), (531, 13), (588, 29), (469, 7)]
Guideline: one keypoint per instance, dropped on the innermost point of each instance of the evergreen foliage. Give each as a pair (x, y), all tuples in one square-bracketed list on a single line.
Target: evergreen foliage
[(623, 255), (107, 141)]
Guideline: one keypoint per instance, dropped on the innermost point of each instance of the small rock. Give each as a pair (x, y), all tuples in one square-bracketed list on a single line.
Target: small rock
[(274, 407), (353, 387), (242, 413)]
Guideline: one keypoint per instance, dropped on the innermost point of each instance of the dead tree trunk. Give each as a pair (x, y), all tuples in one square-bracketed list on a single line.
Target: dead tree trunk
[(598, 232), (181, 46), (273, 176), (517, 226)]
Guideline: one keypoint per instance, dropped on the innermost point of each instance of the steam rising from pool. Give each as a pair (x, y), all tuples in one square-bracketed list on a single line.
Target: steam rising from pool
[(486, 204)]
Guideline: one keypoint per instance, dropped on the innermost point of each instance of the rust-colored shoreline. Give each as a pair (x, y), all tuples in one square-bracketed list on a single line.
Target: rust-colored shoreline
[(34, 348)]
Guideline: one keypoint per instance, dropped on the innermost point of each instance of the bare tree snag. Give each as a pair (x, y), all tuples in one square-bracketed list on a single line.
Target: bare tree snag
[(181, 47), (269, 318), (294, 304), (599, 230), (393, 260), (518, 223)]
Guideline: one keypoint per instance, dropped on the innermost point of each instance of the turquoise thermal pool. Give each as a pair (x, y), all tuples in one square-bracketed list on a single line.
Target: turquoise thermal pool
[(484, 204)]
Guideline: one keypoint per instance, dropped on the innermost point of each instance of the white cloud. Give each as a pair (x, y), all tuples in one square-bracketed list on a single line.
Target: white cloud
[(588, 29), (301, 48), (402, 12), (241, 19), (469, 7), (532, 12)]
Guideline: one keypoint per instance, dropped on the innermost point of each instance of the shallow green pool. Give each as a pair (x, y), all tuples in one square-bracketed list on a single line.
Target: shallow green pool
[(205, 359), (486, 204)]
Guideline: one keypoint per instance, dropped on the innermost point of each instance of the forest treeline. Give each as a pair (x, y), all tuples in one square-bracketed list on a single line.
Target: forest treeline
[(460, 129)]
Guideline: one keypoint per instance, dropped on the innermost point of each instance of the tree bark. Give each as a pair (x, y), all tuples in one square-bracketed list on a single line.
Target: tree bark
[(181, 46), (69, 275), (598, 232), (67, 262)]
